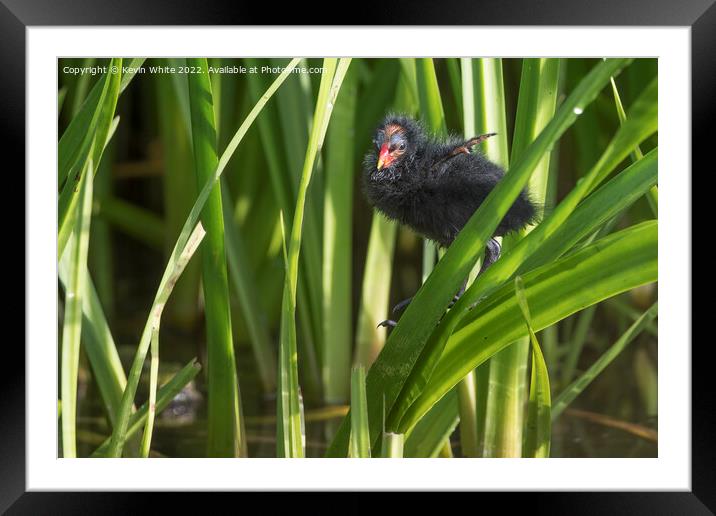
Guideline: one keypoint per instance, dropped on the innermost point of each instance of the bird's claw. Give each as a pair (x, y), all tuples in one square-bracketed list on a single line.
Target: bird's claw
[(404, 303), (386, 323), (400, 306)]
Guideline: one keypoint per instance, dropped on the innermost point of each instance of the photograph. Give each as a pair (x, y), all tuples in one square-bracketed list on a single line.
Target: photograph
[(357, 257)]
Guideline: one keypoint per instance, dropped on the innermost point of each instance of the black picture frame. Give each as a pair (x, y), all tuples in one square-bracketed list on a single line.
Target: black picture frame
[(700, 15)]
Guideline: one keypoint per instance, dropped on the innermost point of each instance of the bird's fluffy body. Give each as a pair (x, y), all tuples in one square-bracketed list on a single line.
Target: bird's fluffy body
[(431, 188)]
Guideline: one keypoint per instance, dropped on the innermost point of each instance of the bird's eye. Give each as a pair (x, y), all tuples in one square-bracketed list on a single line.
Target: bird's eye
[(401, 146)]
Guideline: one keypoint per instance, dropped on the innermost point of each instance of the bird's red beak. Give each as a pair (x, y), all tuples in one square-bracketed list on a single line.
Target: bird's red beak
[(384, 158)]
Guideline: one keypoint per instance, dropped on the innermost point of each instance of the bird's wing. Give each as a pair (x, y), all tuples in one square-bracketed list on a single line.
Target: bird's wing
[(453, 149)]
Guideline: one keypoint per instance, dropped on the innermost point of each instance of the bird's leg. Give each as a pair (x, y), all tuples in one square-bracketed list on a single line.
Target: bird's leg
[(459, 293), (492, 253), (405, 302)]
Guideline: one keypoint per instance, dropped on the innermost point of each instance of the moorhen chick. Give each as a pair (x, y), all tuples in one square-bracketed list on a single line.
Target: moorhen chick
[(434, 185)]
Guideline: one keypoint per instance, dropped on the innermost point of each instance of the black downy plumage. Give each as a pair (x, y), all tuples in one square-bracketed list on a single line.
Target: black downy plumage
[(434, 185)]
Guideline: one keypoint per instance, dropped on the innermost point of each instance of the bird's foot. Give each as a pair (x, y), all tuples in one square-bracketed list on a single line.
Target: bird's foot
[(405, 302), (401, 306), (492, 253), (396, 309)]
